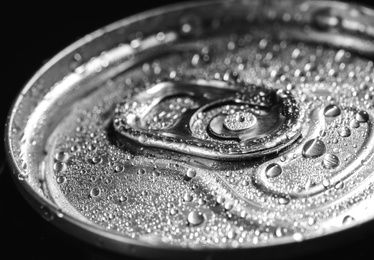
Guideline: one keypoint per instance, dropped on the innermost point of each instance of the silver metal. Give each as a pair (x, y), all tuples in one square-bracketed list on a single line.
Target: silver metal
[(205, 130), (201, 118)]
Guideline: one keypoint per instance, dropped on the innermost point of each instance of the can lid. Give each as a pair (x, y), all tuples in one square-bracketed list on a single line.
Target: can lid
[(205, 129)]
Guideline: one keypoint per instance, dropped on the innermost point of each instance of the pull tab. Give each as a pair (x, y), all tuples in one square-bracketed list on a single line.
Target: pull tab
[(211, 119)]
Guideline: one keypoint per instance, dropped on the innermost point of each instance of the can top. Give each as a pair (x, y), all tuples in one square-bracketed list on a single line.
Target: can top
[(202, 127)]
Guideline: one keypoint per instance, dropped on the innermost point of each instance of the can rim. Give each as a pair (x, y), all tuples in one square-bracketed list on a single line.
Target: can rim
[(117, 241)]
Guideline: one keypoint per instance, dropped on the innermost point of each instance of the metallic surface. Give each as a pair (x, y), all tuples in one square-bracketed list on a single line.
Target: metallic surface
[(268, 140)]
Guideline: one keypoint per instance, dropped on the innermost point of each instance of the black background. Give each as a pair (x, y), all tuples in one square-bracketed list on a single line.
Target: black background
[(30, 36)]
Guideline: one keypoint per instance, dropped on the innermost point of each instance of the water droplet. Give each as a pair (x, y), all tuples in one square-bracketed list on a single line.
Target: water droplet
[(332, 111), (187, 197), (95, 191), (348, 219), (190, 24), (354, 124), (97, 159), (196, 59), (228, 206), (326, 183), (263, 43), (119, 168), (201, 201), (61, 179), (142, 171), (298, 237), (59, 167), (330, 161), (173, 211), (339, 185), (273, 170), (311, 221), (314, 148), (295, 54), (231, 76), (245, 182), (344, 131), (283, 200), (195, 218), (362, 116), (191, 173), (142, 139), (122, 199), (279, 232), (22, 176), (231, 234), (62, 156), (342, 56), (220, 200)]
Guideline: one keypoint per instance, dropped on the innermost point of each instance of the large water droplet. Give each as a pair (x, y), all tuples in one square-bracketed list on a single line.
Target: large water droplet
[(348, 219), (332, 111), (191, 173), (330, 161), (62, 156), (195, 218), (187, 197), (362, 116), (314, 148), (273, 170), (59, 167), (97, 159), (354, 123), (61, 179), (95, 191), (344, 131)]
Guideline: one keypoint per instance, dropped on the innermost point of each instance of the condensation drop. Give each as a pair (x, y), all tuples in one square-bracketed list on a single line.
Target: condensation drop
[(195, 218), (173, 211), (97, 159), (59, 167), (273, 170), (61, 179), (344, 131), (191, 173), (314, 148), (62, 156), (362, 116), (95, 192), (298, 237), (332, 111), (187, 197), (339, 185), (283, 200), (354, 124), (348, 219), (330, 161)]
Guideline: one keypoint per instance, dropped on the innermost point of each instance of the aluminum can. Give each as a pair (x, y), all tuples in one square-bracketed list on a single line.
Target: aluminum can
[(205, 129)]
